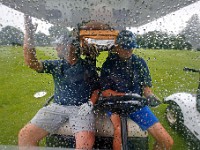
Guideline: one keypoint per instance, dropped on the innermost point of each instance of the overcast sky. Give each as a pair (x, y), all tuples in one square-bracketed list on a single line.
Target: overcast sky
[(15, 18), (172, 23)]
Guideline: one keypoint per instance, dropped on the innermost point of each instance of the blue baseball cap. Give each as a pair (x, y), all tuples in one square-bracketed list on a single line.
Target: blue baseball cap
[(126, 40)]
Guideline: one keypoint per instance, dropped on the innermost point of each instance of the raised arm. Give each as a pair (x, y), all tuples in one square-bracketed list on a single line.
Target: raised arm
[(29, 45)]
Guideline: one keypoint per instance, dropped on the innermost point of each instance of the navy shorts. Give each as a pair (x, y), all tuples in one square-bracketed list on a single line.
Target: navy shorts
[(143, 117)]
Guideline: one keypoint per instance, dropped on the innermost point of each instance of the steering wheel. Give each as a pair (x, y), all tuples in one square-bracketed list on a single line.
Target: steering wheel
[(122, 105)]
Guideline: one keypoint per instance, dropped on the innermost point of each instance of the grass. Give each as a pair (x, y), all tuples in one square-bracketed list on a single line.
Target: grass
[(18, 84)]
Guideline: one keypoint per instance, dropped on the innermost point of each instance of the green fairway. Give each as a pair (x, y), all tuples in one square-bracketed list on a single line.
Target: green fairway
[(18, 84)]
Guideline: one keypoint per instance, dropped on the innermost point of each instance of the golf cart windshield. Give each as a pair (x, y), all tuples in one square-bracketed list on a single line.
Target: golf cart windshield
[(165, 44)]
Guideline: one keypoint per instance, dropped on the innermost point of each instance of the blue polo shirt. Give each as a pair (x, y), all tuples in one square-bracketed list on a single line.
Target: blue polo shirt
[(125, 76), (73, 83)]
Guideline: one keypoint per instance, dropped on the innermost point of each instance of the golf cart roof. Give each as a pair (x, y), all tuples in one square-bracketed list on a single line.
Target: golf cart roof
[(118, 14)]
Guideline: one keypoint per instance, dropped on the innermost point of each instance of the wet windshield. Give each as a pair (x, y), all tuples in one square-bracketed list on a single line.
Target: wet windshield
[(78, 56)]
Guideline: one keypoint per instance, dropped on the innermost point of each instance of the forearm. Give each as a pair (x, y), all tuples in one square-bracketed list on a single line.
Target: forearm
[(29, 46), (31, 59), (94, 97), (110, 92)]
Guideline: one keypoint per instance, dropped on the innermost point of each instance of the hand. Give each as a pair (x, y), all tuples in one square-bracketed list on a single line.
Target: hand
[(85, 108), (30, 29), (153, 101)]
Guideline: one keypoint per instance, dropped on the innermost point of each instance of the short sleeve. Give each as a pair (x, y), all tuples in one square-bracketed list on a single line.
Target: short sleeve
[(51, 66), (105, 80), (145, 73)]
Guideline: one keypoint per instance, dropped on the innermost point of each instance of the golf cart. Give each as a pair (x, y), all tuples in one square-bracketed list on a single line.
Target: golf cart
[(183, 112), (136, 138)]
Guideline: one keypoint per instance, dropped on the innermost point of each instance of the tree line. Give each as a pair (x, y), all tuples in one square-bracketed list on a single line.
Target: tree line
[(10, 35), (160, 40), (152, 40), (188, 38)]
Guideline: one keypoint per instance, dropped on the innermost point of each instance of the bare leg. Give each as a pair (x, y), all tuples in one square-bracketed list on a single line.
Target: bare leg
[(163, 140), (85, 140), (30, 135), (117, 141)]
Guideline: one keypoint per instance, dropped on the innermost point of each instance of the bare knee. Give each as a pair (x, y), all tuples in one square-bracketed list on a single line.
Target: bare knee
[(169, 143), (162, 137), (85, 140), (166, 145), (30, 135), (23, 135), (166, 142)]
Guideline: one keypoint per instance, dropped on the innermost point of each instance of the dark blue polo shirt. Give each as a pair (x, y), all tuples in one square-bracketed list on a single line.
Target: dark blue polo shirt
[(125, 76), (73, 83)]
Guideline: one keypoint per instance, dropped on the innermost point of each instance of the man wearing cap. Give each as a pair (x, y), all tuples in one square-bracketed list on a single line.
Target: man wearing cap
[(124, 73), (75, 92)]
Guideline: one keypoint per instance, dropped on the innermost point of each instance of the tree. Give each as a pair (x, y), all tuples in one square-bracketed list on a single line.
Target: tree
[(11, 36), (192, 31), (57, 31), (154, 39), (41, 39), (162, 40)]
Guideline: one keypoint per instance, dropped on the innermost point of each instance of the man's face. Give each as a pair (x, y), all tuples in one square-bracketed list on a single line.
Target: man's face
[(70, 52), (66, 51), (123, 54)]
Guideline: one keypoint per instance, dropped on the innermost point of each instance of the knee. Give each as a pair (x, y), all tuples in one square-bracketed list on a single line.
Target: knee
[(26, 135), (169, 143), (22, 133), (22, 137), (85, 140)]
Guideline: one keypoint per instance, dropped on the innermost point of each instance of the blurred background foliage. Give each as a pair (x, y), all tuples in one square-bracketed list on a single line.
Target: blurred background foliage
[(187, 39)]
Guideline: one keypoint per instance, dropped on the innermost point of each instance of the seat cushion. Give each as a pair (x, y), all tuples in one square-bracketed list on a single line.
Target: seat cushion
[(104, 127)]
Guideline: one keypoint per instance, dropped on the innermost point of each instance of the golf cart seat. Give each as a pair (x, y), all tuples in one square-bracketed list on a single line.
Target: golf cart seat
[(137, 139), (104, 127)]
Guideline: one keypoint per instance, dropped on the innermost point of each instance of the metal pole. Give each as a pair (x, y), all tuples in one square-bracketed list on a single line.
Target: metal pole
[(124, 132)]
